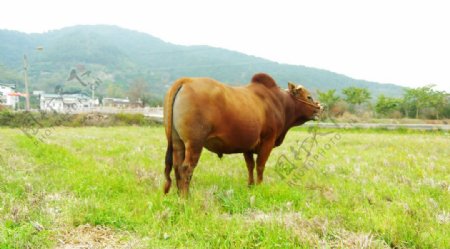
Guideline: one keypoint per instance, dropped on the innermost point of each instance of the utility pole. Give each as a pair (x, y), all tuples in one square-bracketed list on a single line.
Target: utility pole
[(25, 75), (93, 95)]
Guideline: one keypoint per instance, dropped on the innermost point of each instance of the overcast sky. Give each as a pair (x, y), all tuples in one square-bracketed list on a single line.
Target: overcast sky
[(401, 42)]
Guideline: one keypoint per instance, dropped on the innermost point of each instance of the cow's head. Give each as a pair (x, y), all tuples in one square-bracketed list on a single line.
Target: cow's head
[(305, 107)]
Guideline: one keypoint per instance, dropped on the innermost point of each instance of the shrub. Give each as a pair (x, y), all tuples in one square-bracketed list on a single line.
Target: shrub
[(339, 108), (396, 115), (129, 119), (45, 119)]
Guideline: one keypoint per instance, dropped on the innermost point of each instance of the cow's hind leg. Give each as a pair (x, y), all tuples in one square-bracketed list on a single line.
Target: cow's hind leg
[(191, 156), (174, 159), (178, 158), (250, 167), (168, 168)]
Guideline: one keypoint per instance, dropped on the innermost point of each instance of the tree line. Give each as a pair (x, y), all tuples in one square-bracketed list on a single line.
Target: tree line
[(420, 102)]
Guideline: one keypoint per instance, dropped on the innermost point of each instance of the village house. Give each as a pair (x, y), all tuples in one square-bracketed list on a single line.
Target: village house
[(121, 103), (66, 102), (8, 96)]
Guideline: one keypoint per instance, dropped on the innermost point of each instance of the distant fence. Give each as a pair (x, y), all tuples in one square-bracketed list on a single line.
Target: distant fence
[(156, 113), (428, 127)]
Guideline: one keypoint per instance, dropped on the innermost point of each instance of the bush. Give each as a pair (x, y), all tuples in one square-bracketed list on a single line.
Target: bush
[(350, 118), (44, 119), (130, 119), (395, 115), (339, 108)]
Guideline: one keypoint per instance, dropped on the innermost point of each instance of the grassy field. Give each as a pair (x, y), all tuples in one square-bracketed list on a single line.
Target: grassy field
[(100, 187)]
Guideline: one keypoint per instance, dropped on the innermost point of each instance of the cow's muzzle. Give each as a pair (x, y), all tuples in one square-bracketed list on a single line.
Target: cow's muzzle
[(318, 111)]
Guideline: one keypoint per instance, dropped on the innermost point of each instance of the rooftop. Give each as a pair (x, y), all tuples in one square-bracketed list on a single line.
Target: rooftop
[(8, 85), (54, 96)]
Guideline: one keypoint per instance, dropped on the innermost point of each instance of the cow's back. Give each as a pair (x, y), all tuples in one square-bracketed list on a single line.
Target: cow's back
[(223, 119)]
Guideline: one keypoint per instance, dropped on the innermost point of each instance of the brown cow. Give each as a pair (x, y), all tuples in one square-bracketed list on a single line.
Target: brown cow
[(252, 119)]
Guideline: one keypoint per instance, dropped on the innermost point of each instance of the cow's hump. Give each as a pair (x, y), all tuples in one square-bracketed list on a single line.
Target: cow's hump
[(265, 79)]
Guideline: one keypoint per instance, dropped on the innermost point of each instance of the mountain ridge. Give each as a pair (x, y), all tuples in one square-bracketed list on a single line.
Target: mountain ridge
[(121, 56)]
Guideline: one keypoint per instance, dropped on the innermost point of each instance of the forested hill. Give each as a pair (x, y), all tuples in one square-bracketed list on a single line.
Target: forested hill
[(120, 57)]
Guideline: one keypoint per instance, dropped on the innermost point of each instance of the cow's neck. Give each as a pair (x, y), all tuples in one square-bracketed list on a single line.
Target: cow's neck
[(292, 114), (290, 117)]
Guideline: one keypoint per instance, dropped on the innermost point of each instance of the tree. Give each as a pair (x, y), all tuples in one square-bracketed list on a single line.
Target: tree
[(386, 105), (418, 98), (328, 99), (8, 75), (439, 100), (114, 90), (139, 91), (356, 95)]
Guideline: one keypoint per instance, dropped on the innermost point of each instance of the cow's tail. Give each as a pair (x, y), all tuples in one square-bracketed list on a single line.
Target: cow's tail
[(168, 120)]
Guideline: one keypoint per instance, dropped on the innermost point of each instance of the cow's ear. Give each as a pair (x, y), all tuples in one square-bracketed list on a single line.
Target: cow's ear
[(291, 87)]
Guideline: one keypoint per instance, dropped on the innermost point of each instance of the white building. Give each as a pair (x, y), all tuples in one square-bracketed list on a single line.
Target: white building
[(8, 96), (66, 102), (122, 103), (116, 102)]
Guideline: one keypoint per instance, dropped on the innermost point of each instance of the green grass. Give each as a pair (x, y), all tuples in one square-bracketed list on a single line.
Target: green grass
[(103, 186)]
